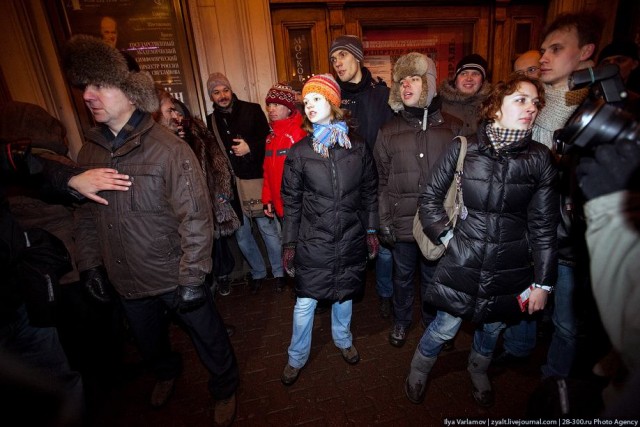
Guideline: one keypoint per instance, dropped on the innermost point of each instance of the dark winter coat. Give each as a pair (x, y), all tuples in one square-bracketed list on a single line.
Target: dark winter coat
[(368, 103), (159, 233), (248, 121), (508, 240), (329, 203), (463, 106), (404, 155)]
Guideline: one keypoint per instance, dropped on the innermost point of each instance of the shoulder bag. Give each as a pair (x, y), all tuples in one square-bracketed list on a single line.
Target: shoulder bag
[(453, 204)]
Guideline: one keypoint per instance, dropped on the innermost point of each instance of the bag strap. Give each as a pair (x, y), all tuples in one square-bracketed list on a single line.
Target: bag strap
[(216, 132), (463, 153)]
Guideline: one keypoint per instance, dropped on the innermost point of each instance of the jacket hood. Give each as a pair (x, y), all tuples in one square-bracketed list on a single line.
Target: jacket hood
[(413, 64), (89, 61), (450, 94)]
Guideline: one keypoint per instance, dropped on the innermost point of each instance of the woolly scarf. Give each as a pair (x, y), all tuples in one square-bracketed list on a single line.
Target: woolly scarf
[(327, 136), (502, 138), (560, 103)]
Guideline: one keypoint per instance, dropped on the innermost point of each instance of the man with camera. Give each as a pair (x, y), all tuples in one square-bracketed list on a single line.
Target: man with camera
[(569, 43)]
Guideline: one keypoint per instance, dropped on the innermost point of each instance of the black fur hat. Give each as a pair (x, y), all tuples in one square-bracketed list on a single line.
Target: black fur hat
[(88, 60)]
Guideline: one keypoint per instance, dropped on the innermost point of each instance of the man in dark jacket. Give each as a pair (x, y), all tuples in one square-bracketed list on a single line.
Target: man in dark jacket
[(408, 145), (155, 240), (243, 128), (367, 100), (462, 96)]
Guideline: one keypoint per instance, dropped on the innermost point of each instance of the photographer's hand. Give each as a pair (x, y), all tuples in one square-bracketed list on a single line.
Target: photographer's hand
[(614, 167)]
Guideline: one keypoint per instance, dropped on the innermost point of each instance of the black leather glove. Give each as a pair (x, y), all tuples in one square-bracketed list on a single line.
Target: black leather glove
[(188, 298), (288, 254), (96, 283), (614, 167), (387, 237)]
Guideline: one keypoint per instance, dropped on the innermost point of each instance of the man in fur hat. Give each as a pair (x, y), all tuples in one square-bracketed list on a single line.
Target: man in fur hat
[(155, 240), (462, 96), (407, 147), (367, 100)]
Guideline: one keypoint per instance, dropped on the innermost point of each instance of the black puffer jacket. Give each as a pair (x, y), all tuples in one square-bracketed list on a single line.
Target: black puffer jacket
[(329, 203), (404, 155), (367, 102), (508, 240)]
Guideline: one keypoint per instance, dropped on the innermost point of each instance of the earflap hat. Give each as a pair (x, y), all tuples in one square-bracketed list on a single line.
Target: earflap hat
[(88, 60)]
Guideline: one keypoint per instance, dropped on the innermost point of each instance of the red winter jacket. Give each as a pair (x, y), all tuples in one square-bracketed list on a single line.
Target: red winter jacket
[(284, 134)]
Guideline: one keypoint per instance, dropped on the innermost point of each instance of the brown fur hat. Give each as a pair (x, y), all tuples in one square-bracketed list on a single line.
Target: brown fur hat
[(413, 64), (88, 60)]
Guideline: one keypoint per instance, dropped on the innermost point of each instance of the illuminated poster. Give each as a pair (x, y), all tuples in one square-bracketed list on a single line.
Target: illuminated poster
[(446, 45), (147, 30)]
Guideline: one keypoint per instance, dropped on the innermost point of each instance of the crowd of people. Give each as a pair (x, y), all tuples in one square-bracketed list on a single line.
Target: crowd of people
[(331, 179)]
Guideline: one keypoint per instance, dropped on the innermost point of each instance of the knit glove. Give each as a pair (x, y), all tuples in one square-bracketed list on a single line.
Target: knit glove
[(189, 297), (614, 167), (288, 253), (97, 285), (373, 244), (387, 237)]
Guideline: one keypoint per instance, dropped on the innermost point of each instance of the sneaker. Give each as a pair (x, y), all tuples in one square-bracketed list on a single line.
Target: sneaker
[(385, 307), (350, 355), (289, 375), (255, 285), (224, 412), (281, 283), (224, 286), (161, 392), (398, 336)]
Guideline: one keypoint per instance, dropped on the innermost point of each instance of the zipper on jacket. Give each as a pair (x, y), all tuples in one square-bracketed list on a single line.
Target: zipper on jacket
[(334, 182)]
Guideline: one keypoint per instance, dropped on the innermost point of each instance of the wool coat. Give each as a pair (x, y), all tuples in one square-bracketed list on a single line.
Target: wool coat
[(507, 241), (329, 204)]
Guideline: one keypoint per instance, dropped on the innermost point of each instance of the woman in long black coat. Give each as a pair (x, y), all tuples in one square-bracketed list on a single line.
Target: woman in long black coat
[(329, 190), (504, 242)]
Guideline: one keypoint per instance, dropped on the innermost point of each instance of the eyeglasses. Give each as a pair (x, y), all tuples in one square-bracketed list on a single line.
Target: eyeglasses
[(529, 70)]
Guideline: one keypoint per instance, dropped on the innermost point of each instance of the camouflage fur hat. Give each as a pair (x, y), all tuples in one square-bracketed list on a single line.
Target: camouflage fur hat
[(88, 60)]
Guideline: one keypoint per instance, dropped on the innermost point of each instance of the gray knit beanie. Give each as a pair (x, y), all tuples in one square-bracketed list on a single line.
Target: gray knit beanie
[(351, 44)]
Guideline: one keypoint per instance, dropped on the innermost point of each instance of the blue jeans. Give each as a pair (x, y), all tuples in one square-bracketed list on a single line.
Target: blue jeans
[(445, 327), (384, 273), (303, 312), (149, 320), (562, 350), (406, 257), (270, 231), (520, 338)]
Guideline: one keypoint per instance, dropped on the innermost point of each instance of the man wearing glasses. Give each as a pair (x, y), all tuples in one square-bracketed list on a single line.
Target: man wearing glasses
[(528, 64)]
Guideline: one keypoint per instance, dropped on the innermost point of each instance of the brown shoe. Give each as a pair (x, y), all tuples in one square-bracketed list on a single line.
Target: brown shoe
[(224, 411), (161, 392), (350, 355), (289, 375)]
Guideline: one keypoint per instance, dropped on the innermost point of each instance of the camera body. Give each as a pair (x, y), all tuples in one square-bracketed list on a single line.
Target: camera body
[(601, 118)]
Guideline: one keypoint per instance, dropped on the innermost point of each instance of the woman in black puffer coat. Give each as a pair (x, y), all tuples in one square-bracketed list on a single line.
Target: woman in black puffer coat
[(329, 190), (504, 242)]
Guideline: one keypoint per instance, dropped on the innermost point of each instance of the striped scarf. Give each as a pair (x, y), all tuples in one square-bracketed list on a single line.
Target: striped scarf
[(501, 138), (326, 137)]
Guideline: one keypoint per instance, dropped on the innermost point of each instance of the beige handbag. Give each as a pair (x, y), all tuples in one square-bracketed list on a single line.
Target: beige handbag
[(453, 203), (250, 194)]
